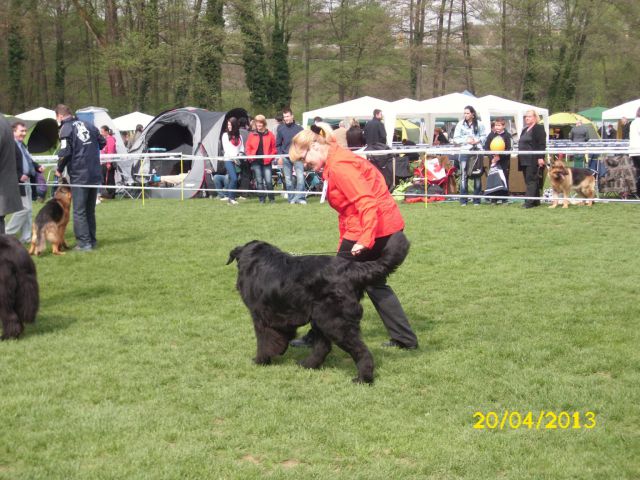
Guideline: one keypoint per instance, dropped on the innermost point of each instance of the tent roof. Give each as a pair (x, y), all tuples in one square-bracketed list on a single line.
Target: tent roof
[(628, 110), (594, 113), (505, 107), (452, 105), (362, 107), (131, 120), (37, 114), (567, 118), (407, 106)]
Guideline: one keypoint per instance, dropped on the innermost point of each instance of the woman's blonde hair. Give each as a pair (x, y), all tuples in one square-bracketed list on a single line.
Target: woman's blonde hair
[(535, 114), (260, 119), (320, 133)]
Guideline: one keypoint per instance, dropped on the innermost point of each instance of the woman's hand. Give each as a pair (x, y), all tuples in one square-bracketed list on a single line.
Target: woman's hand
[(541, 162), (357, 249)]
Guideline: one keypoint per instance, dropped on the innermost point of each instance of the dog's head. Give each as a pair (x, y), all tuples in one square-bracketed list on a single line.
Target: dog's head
[(558, 170), (63, 192), (236, 252)]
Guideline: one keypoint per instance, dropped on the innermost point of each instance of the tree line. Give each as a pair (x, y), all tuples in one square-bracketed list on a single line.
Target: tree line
[(153, 55)]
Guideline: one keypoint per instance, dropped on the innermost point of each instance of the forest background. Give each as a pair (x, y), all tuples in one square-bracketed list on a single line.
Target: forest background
[(154, 55)]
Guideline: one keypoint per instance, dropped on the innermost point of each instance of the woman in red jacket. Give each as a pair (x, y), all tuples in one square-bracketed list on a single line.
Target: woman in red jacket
[(367, 217), (261, 142)]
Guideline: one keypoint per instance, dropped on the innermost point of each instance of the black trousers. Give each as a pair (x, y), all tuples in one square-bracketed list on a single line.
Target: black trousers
[(382, 295), (533, 181)]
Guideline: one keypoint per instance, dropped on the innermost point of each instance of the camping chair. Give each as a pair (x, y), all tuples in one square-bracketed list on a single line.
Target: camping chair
[(438, 174), (312, 181)]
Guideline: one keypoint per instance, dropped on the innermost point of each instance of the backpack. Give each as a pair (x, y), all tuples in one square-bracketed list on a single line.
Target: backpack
[(475, 165)]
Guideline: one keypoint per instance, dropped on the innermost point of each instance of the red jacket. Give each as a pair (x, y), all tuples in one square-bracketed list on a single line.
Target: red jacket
[(357, 191), (268, 146)]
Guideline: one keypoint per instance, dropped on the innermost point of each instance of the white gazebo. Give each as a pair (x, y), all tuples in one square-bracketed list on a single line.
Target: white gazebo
[(502, 107), (129, 121), (452, 105), (627, 110), (359, 108), (37, 114)]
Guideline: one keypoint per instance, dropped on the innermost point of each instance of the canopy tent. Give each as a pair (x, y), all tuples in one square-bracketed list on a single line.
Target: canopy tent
[(100, 117), (190, 131), (594, 113), (407, 130), (130, 121), (503, 107), (452, 105), (360, 108), (628, 110), (37, 114), (566, 120)]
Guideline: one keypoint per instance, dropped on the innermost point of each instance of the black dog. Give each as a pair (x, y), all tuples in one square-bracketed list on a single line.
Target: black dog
[(284, 292), (19, 298)]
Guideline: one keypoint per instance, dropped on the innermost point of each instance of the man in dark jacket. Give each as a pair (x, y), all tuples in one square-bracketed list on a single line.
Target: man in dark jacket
[(374, 131), (286, 132), (9, 158), (80, 145)]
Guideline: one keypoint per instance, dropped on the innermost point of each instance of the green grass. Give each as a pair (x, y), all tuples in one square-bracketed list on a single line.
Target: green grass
[(140, 363)]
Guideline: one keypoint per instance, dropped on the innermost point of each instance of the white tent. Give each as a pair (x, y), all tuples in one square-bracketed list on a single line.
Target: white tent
[(361, 109), (452, 105), (628, 110), (99, 117), (502, 107), (37, 114), (129, 121)]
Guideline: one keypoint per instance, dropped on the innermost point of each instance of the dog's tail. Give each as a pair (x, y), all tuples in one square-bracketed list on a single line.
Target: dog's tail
[(368, 273)]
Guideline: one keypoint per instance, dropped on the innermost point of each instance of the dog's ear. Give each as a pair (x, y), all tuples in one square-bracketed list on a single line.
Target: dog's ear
[(234, 254)]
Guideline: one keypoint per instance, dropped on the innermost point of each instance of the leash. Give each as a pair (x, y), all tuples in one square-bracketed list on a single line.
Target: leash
[(338, 254)]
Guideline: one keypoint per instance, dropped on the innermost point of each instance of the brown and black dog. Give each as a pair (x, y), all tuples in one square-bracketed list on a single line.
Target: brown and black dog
[(564, 179), (51, 222)]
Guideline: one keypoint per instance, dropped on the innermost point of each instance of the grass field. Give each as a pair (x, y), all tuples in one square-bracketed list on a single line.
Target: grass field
[(140, 363)]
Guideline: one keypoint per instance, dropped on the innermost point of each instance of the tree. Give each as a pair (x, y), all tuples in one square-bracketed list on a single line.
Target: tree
[(16, 56)]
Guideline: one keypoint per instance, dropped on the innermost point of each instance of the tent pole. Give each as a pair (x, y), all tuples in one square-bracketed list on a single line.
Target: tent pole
[(182, 183), (142, 178)]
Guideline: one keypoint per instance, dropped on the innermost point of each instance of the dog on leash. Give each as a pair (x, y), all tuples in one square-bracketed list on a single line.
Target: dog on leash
[(564, 179), (19, 298), (51, 222), (284, 292)]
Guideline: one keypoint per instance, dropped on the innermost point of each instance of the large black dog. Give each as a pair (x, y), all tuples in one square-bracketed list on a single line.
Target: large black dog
[(19, 299), (284, 292)]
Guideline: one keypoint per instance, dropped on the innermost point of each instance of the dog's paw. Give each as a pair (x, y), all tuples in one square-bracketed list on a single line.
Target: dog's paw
[(262, 361), (367, 381), (306, 363)]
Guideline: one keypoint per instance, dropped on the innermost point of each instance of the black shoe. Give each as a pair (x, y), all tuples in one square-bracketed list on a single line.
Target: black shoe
[(395, 343), (301, 342), (528, 205)]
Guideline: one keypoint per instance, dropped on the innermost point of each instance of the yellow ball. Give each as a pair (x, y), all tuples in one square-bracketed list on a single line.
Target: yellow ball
[(497, 144)]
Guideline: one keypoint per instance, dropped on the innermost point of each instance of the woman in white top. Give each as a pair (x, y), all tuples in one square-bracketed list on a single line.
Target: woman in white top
[(232, 147)]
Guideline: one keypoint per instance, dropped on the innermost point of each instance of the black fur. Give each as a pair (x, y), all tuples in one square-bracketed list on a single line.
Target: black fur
[(284, 292), (19, 299), (579, 174)]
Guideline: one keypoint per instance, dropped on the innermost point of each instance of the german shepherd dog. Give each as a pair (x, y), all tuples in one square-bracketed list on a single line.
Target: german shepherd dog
[(284, 292), (51, 222), (564, 179)]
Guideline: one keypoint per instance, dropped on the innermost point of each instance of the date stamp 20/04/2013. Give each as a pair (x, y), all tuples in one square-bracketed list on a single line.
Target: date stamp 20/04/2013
[(530, 420)]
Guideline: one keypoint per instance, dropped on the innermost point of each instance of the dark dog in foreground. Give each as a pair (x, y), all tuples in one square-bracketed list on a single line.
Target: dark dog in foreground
[(284, 292), (19, 298), (51, 222), (564, 179)]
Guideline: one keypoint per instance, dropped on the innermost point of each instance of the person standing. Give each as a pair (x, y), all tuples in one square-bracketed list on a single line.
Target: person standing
[(355, 135), (20, 222), (10, 158), (469, 133), (367, 217), (502, 161), (108, 168), (374, 131), (286, 132), (80, 145), (232, 148), (634, 144), (623, 128), (262, 142), (532, 138), (340, 134)]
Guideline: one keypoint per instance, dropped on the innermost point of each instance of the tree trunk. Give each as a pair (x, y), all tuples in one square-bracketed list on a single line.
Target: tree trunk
[(466, 48), (439, 56)]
